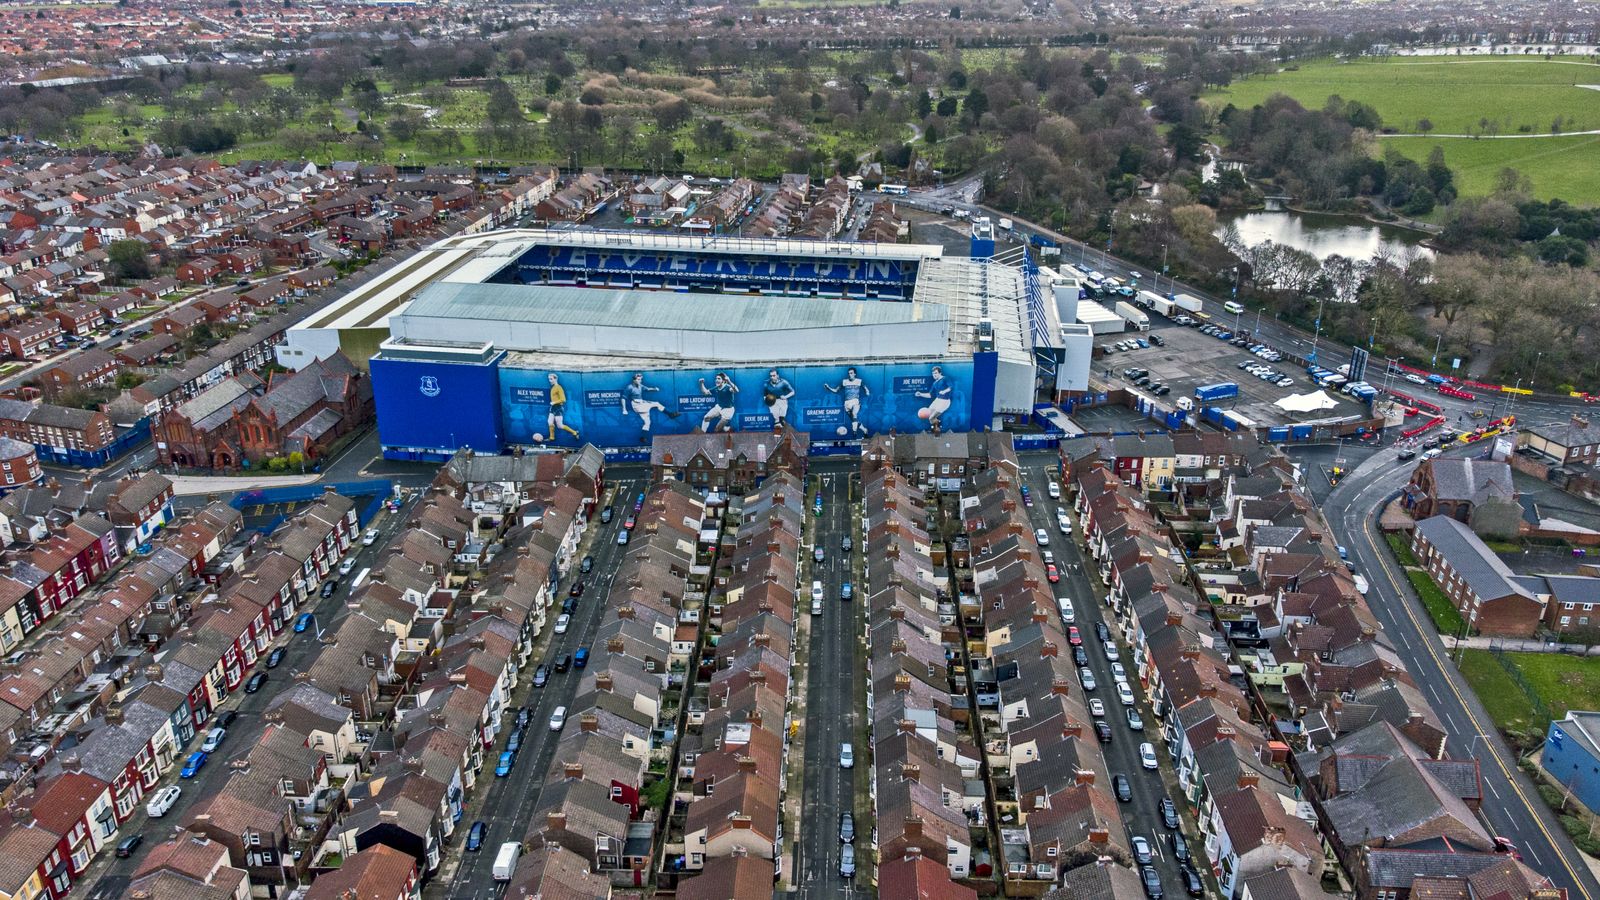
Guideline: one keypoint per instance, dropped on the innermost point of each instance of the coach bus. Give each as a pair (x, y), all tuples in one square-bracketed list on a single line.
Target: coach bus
[(893, 189)]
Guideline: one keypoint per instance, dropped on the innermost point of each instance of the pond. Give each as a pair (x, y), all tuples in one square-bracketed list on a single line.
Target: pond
[(1323, 235)]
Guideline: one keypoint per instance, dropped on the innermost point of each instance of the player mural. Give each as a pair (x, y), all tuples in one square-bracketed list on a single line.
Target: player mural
[(625, 408)]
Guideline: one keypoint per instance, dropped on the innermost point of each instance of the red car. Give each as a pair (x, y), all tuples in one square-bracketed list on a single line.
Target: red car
[(1073, 637), (1052, 573), (628, 523)]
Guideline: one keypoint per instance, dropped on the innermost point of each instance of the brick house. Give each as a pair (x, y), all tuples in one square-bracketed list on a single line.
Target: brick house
[(55, 426), (736, 462), (203, 270), (1476, 492), (1481, 587), (30, 336), (1575, 441), (77, 318), (242, 261), (178, 321), (220, 305), (88, 369)]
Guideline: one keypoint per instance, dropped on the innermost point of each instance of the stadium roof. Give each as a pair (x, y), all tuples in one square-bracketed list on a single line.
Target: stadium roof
[(652, 309)]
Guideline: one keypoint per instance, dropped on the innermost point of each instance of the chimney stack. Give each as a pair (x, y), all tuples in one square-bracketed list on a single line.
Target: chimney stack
[(556, 821), (574, 771)]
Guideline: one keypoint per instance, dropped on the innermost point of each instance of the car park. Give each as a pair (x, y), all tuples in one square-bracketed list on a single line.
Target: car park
[(162, 801), (193, 765), (1134, 721), (1147, 756), (475, 836), (1125, 693), (1122, 787), (255, 682)]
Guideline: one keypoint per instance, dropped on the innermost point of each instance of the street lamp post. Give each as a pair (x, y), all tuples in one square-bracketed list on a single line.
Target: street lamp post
[(1163, 270), (1436, 345)]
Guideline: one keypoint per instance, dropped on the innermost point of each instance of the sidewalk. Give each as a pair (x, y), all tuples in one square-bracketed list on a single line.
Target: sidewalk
[(1518, 645)]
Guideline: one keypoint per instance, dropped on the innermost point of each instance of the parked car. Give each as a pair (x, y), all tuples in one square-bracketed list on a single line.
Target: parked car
[(192, 765), (1193, 885), (847, 828), (161, 802), (847, 591), (214, 739), (1122, 787), (476, 835), (1079, 657), (558, 719), (587, 565), (1102, 632), (845, 544), (1180, 848), (847, 861), (226, 717), (1134, 722), (576, 590), (1147, 756), (580, 659), (564, 663), (1142, 852), (370, 538), (275, 658), (605, 516), (847, 756), (1097, 708), (328, 587), (562, 622), (1125, 693), (1074, 637), (1102, 730), (1087, 677), (127, 845), (540, 676), (1169, 813), (303, 621), (255, 682), (1152, 882), (509, 758)]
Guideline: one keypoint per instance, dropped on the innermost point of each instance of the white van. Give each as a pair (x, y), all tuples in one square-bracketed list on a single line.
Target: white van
[(161, 801), (1068, 614), (505, 862)]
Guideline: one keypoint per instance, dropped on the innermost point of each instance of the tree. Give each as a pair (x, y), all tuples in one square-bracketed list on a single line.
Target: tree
[(1424, 124), (503, 108), (129, 259), (1185, 141), (947, 107), (552, 84), (670, 115)]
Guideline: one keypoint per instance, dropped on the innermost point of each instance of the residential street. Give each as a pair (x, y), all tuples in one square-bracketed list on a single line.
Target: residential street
[(1510, 802), (507, 804)]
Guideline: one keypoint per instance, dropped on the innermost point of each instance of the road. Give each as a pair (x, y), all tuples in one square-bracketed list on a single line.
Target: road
[(1143, 815), (831, 714), (111, 875), (507, 804), (1511, 805)]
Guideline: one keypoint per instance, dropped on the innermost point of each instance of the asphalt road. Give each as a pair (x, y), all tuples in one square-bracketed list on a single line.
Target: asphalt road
[(507, 804), (301, 650), (1143, 815), (1510, 803), (831, 714)]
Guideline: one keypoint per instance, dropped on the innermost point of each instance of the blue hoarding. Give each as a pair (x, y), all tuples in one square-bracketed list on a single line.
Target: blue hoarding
[(627, 407), (426, 408)]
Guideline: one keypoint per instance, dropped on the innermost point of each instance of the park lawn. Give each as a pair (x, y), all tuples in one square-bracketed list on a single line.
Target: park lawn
[(1566, 166), (1456, 95), (1559, 683)]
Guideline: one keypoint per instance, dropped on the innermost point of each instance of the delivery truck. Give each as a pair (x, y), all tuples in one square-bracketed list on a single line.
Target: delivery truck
[(1187, 302), (1133, 315), (1206, 393)]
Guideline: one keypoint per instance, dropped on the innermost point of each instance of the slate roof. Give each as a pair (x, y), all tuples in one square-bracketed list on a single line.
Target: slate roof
[(1472, 560), (1476, 480)]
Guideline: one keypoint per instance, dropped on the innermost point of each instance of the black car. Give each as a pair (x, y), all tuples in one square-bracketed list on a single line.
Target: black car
[(1169, 813), (541, 675), (1192, 884), (1158, 340), (328, 587), (1152, 883), (1124, 789), (605, 516), (1080, 657), (1102, 731), (587, 565), (847, 828), (1102, 632), (569, 605), (127, 845), (564, 663), (524, 716), (226, 717), (1407, 453), (576, 590), (255, 682), (475, 837), (1162, 391), (1180, 848), (275, 657)]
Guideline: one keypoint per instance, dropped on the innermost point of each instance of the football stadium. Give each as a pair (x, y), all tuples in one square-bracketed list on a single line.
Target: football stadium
[(535, 338)]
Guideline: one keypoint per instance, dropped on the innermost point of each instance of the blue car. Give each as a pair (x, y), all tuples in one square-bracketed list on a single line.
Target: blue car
[(507, 760), (475, 837), (846, 591), (303, 621), (193, 764)]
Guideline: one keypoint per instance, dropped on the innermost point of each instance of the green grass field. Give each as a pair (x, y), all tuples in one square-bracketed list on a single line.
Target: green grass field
[(1456, 95), (1557, 681), (1567, 167)]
